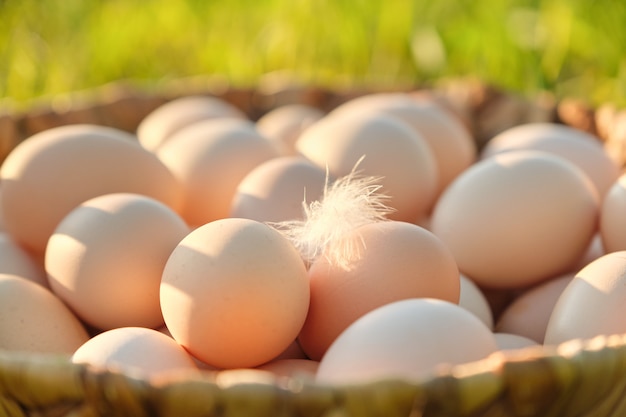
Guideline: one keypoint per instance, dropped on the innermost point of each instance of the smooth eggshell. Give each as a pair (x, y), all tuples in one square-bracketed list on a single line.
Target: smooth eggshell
[(528, 314), (283, 125), (136, 351), (201, 365), (33, 319), (592, 304), (235, 293), (160, 124), (447, 101), (291, 368), (106, 258), (210, 158), (15, 260), (407, 339), (613, 218), (51, 172), (394, 261), (594, 251), (390, 150), (580, 148), (517, 218), (276, 190), (508, 341), (450, 141), (473, 300)]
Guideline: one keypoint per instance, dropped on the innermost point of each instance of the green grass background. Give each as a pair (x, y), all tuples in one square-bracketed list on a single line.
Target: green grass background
[(574, 48)]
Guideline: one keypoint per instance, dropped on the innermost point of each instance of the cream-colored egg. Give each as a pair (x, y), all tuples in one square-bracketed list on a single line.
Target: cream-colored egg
[(473, 300), (592, 304), (283, 125), (15, 260), (392, 261), (276, 190), (455, 107), (407, 339), (32, 319), (390, 150), (158, 126), (528, 314), (235, 293), (594, 251), (106, 258), (517, 218), (508, 341), (210, 158), (52, 172), (450, 141), (136, 351), (612, 217), (291, 368), (580, 148)]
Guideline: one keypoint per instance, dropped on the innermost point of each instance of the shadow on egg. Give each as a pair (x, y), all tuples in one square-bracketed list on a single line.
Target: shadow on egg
[(105, 259)]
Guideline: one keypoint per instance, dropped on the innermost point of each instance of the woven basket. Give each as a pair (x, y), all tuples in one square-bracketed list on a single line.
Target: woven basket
[(578, 378)]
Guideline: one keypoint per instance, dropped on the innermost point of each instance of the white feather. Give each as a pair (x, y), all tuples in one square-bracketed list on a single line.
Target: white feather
[(328, 225)]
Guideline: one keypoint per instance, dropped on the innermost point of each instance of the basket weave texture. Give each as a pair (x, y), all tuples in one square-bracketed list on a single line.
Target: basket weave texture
[(486, 110), (578, 378)]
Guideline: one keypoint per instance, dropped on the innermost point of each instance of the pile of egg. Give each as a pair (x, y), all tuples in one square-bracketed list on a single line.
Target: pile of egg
[(341, 247)]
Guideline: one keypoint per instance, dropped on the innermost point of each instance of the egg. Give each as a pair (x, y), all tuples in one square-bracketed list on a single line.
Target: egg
[(235, 293), (581, 148), (210, 158), (160, 124), (508, 341), (283, 125), (594, 250), (449, 140), (592, 304), (106, 258), (473, 300), (528, 314), (291, 368), (517, 218), (137, 351), (392, 261), (452, 105), (33, 319), (612, 222), (409, 339), (15, 260), (386, 147), (276, 190), (52, 172), (201, 365)]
